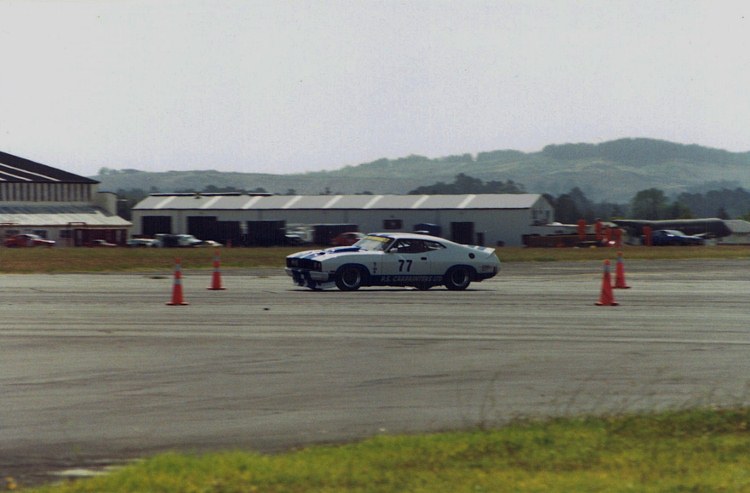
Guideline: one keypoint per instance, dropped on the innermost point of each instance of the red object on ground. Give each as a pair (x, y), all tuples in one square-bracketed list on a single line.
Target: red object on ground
[(620, 274), (618, 237), (606, 297), (647, 235), (177, 299), (581, 229), (216, 277)]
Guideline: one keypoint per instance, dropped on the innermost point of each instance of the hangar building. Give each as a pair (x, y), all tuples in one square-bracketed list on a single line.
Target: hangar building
[(488, 219), (57, 205)]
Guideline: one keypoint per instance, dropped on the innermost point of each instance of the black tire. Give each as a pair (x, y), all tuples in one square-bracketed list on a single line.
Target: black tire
[(457, 278), (350, 277)]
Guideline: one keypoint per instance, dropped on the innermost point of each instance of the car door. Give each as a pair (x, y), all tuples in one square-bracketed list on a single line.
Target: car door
[(406, 258)]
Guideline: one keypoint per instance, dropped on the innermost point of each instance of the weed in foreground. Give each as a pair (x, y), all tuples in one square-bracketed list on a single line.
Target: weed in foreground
[(686, 450)]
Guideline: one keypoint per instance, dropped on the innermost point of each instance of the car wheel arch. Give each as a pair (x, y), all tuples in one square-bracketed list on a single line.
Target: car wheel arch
[(351, 276), (455, 281)]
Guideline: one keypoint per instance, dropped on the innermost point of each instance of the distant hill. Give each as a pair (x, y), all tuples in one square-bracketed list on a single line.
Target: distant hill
[(611, 171)]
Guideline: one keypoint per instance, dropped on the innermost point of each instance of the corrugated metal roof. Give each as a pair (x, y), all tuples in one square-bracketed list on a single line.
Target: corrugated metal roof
[(59, 215), (738, 225), (18, 169), (338, 202)]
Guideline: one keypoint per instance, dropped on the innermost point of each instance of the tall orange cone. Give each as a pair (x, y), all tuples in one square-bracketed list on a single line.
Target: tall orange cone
[(216, 278), (606, 298), (620, 274), (177, 298)]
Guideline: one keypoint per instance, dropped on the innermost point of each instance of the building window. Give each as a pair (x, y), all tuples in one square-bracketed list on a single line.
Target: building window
[(391, 224)]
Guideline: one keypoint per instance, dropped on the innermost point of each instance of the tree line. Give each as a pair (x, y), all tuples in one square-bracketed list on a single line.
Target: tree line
[(650, 204), (654, 204)]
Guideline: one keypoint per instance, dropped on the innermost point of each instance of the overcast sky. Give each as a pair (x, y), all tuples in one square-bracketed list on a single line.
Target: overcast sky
[(286, 86)]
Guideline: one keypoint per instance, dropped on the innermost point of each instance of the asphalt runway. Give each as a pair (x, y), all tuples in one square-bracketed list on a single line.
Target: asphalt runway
[(96, 368)]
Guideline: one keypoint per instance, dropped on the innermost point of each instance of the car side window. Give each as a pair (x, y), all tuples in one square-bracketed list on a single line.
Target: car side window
[(417, 246), (433, 245), (409, 246), (400, 246)]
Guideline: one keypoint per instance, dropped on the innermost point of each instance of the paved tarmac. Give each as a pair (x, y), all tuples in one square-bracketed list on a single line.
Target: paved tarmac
[(96, 368)]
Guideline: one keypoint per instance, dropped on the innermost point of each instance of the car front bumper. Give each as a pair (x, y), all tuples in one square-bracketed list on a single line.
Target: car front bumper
[(308, 278)]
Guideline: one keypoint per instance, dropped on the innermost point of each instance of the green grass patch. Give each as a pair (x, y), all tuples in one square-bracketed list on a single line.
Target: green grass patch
[(62, 260), (67, 260), (700, 450)]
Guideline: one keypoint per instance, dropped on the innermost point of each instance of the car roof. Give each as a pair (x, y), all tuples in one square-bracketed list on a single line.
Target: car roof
[(416, 236)]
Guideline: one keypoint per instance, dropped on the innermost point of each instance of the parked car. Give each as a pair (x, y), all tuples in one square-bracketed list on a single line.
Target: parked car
[(394, 259), (141, 243), (208, 244), (28, 240), (101, 243), (294, 239), (179, 240), (666, 237), (347, 239)]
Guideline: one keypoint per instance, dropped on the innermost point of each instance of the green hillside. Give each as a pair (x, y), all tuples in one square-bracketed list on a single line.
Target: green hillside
[(611, 171)]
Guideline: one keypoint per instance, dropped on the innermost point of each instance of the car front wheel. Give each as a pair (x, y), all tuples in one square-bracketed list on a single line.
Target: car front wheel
[(458, 278), (349, 278)]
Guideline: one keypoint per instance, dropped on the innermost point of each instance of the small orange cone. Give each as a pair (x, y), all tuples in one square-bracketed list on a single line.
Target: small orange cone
[(620, 274), (606, 298), (177, 288), (216, 278)]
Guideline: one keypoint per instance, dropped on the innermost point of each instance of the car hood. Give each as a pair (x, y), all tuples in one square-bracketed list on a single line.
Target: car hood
[(327, 252)]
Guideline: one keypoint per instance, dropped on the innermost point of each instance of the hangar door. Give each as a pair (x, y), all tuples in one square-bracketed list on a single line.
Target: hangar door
[(208, 228), (202, 227), (462, 232), (152, 225), (265, 233)]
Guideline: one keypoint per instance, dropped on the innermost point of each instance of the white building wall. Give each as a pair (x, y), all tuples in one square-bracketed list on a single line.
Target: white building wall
[(494, 226), (505, 227)]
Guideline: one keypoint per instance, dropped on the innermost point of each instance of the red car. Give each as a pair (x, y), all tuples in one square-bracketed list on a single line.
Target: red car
[(28, 240), (347, 239)]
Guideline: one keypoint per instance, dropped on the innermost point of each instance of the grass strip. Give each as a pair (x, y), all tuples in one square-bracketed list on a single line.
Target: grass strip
[(69, 260), (705, 450)]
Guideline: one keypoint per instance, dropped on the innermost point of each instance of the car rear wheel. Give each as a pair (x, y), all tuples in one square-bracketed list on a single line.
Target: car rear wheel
[(458, 278), (349, 278)]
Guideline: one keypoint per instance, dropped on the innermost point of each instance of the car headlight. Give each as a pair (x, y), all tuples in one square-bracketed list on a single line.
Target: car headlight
[(316, 265)]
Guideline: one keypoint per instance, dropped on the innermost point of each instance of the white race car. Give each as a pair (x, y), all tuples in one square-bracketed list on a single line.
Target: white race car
[(394, 259)]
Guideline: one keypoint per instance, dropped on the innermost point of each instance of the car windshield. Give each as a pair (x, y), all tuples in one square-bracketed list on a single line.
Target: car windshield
[(373, 243)]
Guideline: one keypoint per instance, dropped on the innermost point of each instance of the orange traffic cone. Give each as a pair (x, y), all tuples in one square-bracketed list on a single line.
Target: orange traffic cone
[(216, 278), (620, 274), (177, 288), (606, 298)]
